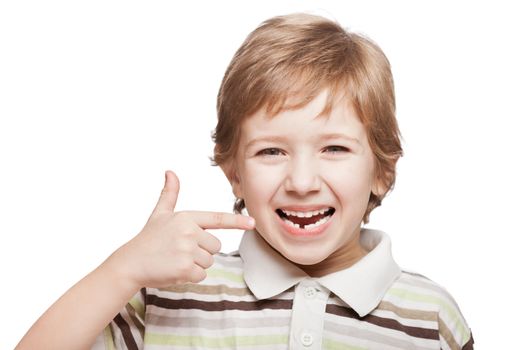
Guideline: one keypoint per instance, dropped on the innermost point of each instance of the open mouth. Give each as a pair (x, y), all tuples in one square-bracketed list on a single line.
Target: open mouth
[(306, 220)]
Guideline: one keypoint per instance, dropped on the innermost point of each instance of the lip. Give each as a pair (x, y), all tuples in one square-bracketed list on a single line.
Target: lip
[(300, 232), (305, 207)]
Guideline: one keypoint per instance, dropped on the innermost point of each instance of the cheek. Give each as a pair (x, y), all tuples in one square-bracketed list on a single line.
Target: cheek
[(260, 182), (260, 185), (350, 182)]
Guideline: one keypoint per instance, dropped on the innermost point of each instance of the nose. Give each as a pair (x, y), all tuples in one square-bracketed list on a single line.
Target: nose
[(302, 176)]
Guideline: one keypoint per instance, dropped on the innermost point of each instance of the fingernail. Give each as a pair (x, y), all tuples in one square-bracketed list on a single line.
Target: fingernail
[(251, 222)]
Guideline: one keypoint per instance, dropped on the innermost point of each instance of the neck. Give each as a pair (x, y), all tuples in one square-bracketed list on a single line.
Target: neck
[(343, 258)]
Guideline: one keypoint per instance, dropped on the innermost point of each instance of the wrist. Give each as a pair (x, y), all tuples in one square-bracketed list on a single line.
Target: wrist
[(120, 271)]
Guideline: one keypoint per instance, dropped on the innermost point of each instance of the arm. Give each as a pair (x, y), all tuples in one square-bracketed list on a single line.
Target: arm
[(76, 319), (172, 248), (454, 332)]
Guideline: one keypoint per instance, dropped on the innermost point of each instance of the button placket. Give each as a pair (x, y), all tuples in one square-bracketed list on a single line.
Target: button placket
[(310, 292), (308, 312), (307, 339)]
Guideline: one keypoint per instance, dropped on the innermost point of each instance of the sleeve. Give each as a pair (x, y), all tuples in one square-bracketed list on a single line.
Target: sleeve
[(126, 330), (454, 333)]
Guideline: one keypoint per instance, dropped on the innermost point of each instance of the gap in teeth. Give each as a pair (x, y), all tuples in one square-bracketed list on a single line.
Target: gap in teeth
[(307, 227)]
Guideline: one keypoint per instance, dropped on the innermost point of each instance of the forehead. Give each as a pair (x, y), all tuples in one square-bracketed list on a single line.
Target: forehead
[(309, 120)]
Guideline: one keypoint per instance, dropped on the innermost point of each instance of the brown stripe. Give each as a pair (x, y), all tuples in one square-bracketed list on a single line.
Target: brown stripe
[(384, 322), (417, 332), (222, 305), (408, 313), (470, 344), (210, 290), (136, 319), (447, 335), (234, 254), (126, 332), (364, 333)]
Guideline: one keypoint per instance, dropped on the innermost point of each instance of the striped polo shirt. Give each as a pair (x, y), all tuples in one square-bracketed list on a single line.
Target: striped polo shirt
[(254, 298)]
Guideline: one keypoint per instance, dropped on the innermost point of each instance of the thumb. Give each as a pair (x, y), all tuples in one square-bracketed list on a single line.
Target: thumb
[(169, 194)]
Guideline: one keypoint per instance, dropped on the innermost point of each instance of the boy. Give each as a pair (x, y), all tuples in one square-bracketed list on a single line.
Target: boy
[(308, 139)]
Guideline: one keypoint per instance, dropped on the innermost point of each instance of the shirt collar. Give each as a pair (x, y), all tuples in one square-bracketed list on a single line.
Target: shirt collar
[(362, 286)]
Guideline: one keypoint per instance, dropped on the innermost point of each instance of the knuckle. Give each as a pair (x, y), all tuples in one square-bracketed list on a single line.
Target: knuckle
[(217, 245), (212, 243), (198, 275), (184, 246), (185, 266), (187, 232), (239, 220), (179, 216), (218, 218), (209, 261)]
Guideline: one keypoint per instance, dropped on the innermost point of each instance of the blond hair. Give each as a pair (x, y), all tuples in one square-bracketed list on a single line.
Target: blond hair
[(295, 57)]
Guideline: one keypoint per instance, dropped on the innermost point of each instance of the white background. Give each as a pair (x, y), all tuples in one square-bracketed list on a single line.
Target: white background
[(99, 98)]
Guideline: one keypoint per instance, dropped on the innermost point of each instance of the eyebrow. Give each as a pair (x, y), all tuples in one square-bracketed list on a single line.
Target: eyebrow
[(324, 137)]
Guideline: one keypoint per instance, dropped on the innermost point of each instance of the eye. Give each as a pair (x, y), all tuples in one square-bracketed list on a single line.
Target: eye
[(336, 149), (270, 152)]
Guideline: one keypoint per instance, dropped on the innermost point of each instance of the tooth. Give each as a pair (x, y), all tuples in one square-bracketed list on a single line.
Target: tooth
[(314, 225), (305, 214), (288, 222), (318, 223)]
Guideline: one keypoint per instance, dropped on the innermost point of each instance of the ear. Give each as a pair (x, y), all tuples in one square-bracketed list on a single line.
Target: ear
[(230, 171), (379, 187)]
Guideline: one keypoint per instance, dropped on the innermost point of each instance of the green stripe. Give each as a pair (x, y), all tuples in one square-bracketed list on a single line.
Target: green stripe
[(138, 306), (335, 345), (452, 312), (234, 277), (214, 342), (108, 339)]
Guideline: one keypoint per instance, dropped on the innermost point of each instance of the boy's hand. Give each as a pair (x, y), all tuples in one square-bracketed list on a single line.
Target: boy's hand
[(173, 247)]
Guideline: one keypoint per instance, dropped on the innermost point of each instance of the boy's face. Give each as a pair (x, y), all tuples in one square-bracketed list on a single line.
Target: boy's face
[(306, 179)]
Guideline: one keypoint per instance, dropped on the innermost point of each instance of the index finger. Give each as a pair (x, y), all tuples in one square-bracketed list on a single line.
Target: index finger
[(218, 220)]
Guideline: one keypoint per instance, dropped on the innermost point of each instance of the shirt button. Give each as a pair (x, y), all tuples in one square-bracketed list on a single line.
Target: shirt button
[(310, 292), (307, 339)]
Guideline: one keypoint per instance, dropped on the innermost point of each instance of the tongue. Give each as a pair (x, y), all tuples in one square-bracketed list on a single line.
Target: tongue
[(305, 221)]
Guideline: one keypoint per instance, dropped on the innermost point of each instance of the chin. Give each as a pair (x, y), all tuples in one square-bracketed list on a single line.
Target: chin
[(305, 259)]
